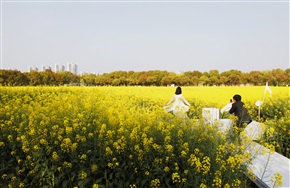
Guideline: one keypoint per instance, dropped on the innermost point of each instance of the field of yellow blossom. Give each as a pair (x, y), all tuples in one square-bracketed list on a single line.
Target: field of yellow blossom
[(121, 137)]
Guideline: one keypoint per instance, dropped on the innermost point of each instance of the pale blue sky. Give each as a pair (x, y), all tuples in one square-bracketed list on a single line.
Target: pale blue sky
[(175, 36)]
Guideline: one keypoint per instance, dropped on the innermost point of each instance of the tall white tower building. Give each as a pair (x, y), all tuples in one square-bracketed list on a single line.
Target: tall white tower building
[(56, 67), (73, 68), (62, 68), (68, 67)]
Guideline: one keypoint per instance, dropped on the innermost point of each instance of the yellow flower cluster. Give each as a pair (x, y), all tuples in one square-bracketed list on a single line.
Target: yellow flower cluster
[(155, 183), (82, 175), (176, 177), (217, 182), (277, 180), (236, 183)]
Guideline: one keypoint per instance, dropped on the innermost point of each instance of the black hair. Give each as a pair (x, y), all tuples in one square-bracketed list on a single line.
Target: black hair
[(178, 91), (237, 97)]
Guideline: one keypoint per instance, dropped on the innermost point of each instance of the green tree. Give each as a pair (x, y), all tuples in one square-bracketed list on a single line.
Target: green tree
[(255, 78), (167, 80), (151, 80), (203, 80), (223, 80), (197, 73), (48, 77), (280, 77), (195, 80), (89, 79), (35, 78), (234, 77), (214, 77), (268, 77), (185, 80), (116, 82), (12, 78)]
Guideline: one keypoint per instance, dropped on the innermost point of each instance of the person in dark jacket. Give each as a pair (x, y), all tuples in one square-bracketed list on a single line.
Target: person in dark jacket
[(240, 111)]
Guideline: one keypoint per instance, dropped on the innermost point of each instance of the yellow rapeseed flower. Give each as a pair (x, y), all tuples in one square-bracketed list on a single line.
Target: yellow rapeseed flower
[(176, 177), (82, 175), (227, 185), (110, 165), (169, 148), (206, 164), (109, 151), (55, 156), (35, 147), (90, 135), (67, 164), (94, 168), (74, 146), (66, 145), (167, 139), (43, 141), (4, 176), (21, 185), (202, 185), (277, 180), (68, 130), (10, 137), (236, 183), (13, 178), (155, 183), (166, 169), (2, 144), (83, 157), (217, 182)]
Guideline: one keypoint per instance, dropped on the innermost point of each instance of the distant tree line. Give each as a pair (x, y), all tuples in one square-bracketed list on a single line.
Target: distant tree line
[(275, 77)]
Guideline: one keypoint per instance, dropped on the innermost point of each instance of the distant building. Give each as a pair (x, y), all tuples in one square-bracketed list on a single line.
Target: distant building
[(62, 68), (56, 67), (45, 67), (73, 68), (59, 68), (68, 67), (30, 68)]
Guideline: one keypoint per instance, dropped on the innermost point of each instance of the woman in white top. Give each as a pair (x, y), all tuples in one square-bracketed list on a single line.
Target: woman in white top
[(178, 105)]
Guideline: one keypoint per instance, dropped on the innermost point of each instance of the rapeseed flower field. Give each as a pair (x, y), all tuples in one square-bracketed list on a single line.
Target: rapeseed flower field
[(121, 137)]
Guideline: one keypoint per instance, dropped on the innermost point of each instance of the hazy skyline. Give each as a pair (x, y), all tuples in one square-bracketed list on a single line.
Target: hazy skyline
[(108, 36)]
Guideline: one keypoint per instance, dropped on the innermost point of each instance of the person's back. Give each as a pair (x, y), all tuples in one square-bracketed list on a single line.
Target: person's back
[(245, 117), (240, 111), (237, 108)]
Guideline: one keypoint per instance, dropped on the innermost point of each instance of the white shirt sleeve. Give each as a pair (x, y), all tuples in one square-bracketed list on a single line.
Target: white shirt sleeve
[(226, 108)]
